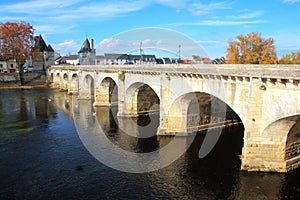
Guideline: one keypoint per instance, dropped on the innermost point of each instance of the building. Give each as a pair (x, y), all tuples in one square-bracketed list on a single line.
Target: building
[(100, 60), (61, 60), (219, 61), (120, 59), (42, 55), (200, 60), (8, 66), (87, 53), (115, 58), (72, 59)]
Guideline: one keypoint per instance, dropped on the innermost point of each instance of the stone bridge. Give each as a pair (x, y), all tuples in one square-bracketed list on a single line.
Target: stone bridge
[(264, 98)]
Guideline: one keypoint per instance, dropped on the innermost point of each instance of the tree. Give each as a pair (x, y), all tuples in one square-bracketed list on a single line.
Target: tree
[(251, 49), (293, 58), (16, 42)]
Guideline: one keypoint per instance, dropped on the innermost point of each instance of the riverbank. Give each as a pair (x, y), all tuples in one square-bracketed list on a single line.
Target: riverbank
[(24, 86), (31, 80)]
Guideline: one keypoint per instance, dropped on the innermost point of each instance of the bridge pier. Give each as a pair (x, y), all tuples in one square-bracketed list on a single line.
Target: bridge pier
[(102, 98), (173, 118), (127, 110), (173, 125), (127, 105), (266, 140), (264, 155)]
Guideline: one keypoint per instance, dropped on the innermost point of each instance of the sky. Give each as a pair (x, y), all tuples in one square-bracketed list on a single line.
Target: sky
[(154, 25)]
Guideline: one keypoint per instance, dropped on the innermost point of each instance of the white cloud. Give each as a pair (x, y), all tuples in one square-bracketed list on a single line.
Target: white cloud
[(153, 40), (219, 23), (172, 3), (117, 45), (249, 15), (291, 1), (213, 43), (66, 47), (38, 6), (52, 29), (203, 9), (287, 42)]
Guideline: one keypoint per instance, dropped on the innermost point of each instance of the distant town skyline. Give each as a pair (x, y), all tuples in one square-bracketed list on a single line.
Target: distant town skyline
[(66, 23)]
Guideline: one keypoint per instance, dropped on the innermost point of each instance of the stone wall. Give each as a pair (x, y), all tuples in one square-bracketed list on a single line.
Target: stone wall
[(9, 77), (30, 79)]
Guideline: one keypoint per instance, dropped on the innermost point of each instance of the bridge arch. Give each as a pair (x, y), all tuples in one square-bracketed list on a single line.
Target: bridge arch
[(281, 127), (293, 139), (225, 92), (281, 139), (107, 93), (142, 99), (193, 111)]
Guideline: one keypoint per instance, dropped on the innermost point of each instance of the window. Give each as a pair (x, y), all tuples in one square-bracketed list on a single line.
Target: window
[(1, 65), (11, 65)]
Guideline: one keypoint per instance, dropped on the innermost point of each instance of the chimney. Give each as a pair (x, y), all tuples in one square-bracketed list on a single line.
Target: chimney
[(92, 44)]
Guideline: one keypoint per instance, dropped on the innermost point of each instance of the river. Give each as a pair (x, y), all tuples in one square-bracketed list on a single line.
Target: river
[(43, 156)]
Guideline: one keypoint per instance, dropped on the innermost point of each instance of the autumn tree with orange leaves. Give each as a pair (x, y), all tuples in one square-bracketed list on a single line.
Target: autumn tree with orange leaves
[(16, 42), (251, 49), (293, 58)]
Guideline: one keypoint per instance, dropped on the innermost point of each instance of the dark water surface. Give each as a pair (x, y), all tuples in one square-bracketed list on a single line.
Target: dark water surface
[(42, 157)]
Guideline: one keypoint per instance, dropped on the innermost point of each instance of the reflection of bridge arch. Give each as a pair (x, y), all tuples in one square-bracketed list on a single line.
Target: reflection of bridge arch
[(141, 99), (74, 84), (107, 93), (57, 80), (65, 81), (87, 87), (57, 77)]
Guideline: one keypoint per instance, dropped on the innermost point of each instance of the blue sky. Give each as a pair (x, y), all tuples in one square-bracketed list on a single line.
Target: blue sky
[(66, 23)]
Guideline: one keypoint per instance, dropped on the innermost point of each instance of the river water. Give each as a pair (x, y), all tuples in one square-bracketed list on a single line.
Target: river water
[(44, 156)]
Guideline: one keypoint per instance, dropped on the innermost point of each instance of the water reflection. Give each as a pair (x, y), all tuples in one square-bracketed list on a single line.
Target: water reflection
[(109, 122), (42, 163)]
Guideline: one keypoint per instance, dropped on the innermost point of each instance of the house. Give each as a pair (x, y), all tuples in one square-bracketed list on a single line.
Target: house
[(219, 61), (115, 58), (100, 60), (196, 59), (200, 60), (120, 59), (60, 60), (42, 54), (167, 60), (72, 59), (206, 60), (8, 66), (148, 59)]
